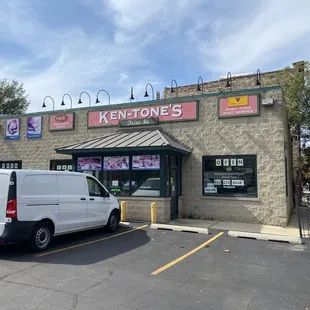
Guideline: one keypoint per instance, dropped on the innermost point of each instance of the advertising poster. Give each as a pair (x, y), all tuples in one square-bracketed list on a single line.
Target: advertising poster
[(116, 163), (61, 122), (12, 131), (89, 163), (238, 106), (34, 127), (146, 162)]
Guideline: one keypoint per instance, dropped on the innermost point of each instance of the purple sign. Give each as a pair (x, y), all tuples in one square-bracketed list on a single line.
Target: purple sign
[(12, 129), (34, 127)]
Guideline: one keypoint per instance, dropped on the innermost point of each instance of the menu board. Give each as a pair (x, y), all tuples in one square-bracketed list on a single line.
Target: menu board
[(116, 163), (146, 162)]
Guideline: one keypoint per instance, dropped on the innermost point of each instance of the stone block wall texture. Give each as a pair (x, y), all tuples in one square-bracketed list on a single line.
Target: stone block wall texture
[(265, 135), (140, 209)]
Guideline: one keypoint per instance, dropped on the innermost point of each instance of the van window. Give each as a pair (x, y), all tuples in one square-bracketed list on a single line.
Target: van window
[(73, 185), (94, 188), (39, 185)]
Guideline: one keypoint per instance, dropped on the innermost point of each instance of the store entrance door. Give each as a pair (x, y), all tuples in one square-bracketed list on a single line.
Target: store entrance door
[(174, 192)]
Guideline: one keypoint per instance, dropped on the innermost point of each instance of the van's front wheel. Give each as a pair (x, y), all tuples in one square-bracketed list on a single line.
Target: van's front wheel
[(41, 237), (113, 222)]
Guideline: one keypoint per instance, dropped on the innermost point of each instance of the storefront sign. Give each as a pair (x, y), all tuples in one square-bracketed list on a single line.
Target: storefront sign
[(12, 131), (61, 122), (88, 163), (165, 113), (139, 122), (116, 163), (146, 162), (238, 106), (34, 127)]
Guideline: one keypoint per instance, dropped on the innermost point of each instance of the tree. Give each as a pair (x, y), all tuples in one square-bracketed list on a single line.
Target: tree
[(13, 98)]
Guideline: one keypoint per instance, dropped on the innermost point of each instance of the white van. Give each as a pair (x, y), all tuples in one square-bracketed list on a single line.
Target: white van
[(37, 205)]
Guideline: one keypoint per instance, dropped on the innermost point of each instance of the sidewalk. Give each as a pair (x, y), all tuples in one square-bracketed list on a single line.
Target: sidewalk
[(289, 231)]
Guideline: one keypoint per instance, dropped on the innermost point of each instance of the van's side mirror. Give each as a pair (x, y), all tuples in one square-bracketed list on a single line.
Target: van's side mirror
[(105, 194)]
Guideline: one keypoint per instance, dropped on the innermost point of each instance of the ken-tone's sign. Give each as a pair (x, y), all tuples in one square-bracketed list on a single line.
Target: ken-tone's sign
[(238, 106), (61, 121), (171, 112)]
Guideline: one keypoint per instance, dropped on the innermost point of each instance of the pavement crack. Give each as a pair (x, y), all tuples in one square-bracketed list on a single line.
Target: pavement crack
[(111, 273), (75, 302), (18, 271)]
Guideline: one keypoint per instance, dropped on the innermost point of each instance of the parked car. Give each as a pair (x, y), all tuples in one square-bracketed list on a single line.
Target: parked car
[(150, 187), (37, 205)]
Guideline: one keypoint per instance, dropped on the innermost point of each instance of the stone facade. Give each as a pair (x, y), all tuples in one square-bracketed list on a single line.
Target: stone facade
[(266, 136)]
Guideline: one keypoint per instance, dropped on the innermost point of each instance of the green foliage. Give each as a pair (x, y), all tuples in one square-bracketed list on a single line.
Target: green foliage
[(296, 88), (13, 98)]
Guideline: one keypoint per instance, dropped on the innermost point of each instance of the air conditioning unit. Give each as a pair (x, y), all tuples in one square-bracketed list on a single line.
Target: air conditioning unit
[(267, 101)]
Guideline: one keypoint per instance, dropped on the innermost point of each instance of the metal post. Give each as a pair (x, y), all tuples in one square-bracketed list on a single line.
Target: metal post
[(123, 211), (153, 213)]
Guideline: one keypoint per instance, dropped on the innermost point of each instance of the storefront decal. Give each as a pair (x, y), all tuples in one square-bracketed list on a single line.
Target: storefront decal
[(238, 106), (34, 127), (12, 129), (89, 163), (116, 163), (61, 122), (146, 162), (165, 113), (139, 122)]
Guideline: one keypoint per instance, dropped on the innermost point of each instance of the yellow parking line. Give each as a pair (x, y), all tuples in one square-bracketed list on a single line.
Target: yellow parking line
[(156, 272), (90, 242)]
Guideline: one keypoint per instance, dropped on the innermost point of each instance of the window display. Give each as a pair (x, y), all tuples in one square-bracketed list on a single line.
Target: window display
[(230, 176)]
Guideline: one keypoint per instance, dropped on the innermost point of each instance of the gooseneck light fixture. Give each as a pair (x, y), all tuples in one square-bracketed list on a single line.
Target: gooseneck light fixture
[(176, 86), (63, 102), (198, 86), (146, 94), (97, 98), (131, 94), (80, 100), (44, 105), (258, 78), (228, 80)]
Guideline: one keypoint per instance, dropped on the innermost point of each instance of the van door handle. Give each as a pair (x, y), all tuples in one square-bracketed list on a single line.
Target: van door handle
[(82, 198), (91, 198)]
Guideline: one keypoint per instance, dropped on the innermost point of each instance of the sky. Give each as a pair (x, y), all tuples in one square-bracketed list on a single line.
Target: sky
[(56, 47)]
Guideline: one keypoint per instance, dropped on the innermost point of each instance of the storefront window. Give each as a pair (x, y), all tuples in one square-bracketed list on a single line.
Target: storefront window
[(11, 164), (117, 182), (230, 176), (145, 183), (61, 164)]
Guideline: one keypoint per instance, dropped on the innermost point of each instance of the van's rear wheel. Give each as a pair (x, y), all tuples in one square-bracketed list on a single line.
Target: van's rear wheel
[(113, 222), (41, 237)]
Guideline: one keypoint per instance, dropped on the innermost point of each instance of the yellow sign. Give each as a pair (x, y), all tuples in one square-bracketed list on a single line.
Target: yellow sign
[(240, 101)]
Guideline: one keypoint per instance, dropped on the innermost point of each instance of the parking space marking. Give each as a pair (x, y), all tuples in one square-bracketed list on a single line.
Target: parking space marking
[(163, 268), (90, 242)]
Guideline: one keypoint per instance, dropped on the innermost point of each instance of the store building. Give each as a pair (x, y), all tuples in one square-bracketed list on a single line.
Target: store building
[(221, 153)]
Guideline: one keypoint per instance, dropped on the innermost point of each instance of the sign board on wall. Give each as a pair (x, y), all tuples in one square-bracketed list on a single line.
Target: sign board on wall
[(171, 112), (238, 106), (12, 131), (34, 127), (61, 121)]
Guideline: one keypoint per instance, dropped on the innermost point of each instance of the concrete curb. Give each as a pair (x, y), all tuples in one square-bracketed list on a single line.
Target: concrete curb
[(266, 237), (124, 224), (180, 228)]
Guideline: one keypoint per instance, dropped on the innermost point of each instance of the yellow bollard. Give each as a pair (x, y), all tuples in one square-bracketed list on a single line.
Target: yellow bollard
[(153, 213), (123, 211)]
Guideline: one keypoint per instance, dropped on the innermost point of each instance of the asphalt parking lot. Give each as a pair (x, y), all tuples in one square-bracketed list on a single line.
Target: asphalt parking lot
[(153, 269)]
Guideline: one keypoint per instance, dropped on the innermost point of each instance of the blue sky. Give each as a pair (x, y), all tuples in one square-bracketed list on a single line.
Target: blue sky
[(56, 47)]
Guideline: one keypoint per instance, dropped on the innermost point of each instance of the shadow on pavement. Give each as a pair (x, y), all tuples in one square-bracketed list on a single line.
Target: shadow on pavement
[(82, 255)]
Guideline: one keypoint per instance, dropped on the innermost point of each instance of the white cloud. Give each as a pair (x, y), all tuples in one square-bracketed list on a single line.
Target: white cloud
[(260, 36)]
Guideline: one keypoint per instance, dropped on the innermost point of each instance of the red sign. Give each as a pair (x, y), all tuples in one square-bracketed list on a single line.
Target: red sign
[(239, 106), (61, 122), (165, 113)]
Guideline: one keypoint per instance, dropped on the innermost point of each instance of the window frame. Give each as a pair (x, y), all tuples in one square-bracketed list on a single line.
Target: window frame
[(252, 156)]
